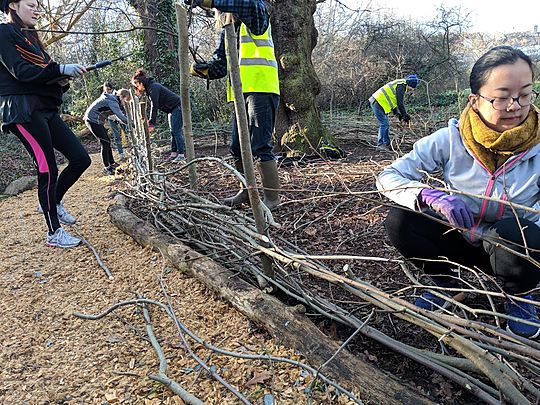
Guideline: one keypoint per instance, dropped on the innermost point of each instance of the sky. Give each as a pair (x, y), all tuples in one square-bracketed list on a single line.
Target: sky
[(493, 16)]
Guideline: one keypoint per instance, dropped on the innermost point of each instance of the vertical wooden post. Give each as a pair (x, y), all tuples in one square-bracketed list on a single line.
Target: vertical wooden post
[(183, 61), (142, 108), (245, 142)]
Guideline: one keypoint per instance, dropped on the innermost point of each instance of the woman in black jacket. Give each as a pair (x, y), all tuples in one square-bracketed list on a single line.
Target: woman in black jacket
[(167, 101), (31, 88)]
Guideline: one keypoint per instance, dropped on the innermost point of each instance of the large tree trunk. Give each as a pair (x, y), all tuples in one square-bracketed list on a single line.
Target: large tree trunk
[(159, 48), (299, 128)]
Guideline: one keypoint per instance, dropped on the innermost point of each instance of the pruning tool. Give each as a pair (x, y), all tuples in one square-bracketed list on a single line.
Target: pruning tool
[(95, 66)]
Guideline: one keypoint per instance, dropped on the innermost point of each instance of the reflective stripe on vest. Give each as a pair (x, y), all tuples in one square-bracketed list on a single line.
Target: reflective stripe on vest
[(386, 95), (258, 64)]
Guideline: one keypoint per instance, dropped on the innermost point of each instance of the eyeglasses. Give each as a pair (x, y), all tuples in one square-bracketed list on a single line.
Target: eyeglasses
[(504, 103)]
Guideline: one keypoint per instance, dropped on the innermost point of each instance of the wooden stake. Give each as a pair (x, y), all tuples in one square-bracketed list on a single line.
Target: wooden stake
[(183, 60), (245, 143)]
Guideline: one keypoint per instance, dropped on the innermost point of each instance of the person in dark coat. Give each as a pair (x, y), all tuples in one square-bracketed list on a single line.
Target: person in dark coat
[(31, 89), (163, 99)]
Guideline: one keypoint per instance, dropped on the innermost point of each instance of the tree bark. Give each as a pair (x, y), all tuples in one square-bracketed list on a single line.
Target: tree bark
[(160, 49), (299, 128), (286, 325)]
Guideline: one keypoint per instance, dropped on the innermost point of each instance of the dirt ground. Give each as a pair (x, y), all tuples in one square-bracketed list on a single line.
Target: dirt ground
[(49, 356)]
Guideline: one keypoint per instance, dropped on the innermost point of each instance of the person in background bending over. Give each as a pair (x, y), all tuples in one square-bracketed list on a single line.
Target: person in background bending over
[(31, 89), (163, 99), (390, 99), (94, 118), (260, 84), (114, 123), (493, 152)]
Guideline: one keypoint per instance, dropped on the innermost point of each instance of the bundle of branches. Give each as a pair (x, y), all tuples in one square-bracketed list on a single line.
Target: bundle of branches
[(477, 353)]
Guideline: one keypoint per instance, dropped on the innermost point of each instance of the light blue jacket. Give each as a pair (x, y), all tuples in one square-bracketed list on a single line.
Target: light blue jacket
[(517, 181)]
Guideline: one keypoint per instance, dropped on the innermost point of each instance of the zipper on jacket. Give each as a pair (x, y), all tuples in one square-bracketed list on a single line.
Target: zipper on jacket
[(489, 189)]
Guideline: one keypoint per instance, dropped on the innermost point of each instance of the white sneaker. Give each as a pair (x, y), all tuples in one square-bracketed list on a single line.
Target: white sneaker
[(179, 158), (60, 238), (64, 217)]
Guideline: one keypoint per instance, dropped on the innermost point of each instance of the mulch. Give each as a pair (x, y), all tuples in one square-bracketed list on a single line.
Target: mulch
[(51, 357)]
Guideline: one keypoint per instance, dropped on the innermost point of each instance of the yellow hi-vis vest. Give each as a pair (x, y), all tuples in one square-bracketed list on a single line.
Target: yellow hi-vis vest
[(386, 95), (258, 64)]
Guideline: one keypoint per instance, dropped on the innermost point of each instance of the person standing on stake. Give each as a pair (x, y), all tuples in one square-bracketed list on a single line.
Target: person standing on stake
[(390, 99), (490, 158), (29, 103), (260, 85)]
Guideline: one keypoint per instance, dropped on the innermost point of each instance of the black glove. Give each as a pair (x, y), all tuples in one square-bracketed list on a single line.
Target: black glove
[(199, 3), (199, 69), (406, 118)]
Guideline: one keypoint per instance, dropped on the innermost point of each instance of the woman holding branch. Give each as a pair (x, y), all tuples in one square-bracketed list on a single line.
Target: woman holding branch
[(486, 215), (31, 92)]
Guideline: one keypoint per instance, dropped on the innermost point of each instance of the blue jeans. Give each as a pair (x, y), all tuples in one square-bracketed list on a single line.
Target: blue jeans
[(384, 125), (261, 111), (115, 129), (176, 125)]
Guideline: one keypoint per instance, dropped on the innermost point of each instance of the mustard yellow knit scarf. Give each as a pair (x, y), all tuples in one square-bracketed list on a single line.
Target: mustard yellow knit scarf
[(494, 148)]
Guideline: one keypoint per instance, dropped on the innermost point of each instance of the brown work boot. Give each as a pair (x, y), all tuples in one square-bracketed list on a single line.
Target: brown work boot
[(242, 197), (270, 181)]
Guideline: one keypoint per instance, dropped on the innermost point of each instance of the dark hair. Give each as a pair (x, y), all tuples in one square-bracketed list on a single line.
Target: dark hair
[(108, 85), (14, 19), (140, 76), (497, 56)]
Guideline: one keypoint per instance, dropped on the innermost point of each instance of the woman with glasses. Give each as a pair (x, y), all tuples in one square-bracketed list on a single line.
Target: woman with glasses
[(484, 212)]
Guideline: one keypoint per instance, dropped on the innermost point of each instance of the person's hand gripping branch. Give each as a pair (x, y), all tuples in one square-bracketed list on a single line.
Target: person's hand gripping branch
[(151, 127), (199, 69), (406, 118), (453, 208)]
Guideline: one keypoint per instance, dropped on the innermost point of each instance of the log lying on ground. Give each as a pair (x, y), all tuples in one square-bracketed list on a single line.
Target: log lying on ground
[(286, 325)]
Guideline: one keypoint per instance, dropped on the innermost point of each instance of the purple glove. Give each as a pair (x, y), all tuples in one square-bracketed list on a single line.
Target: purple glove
[(452, 207)]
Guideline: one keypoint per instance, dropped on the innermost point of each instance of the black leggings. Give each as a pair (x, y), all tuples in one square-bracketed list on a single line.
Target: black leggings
[(45, 132), (419, 236), (99, 131)]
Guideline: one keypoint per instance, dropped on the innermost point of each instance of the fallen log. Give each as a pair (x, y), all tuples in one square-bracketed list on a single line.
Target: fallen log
[(284, 324)]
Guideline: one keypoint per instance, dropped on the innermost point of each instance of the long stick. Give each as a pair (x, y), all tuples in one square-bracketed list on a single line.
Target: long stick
[(183, 47), (161, 376), (245, 143)]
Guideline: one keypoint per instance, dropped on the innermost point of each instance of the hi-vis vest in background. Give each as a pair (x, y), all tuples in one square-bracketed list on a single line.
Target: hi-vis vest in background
[(386, 95), (258, 64)]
